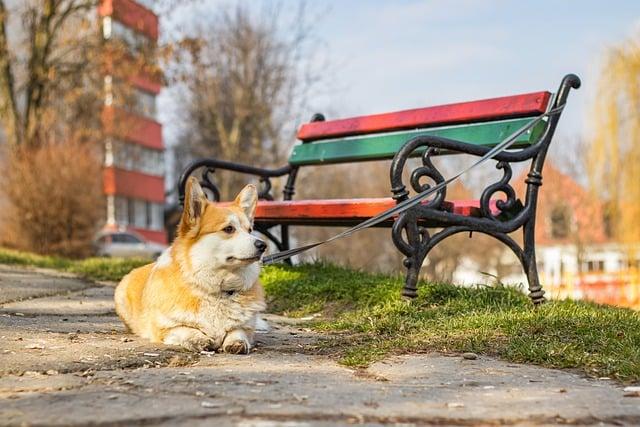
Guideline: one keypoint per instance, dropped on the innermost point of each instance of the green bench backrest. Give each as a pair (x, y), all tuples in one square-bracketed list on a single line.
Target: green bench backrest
[(381, 146)]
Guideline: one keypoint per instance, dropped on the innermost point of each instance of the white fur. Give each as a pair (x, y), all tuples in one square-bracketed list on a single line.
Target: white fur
[(180, 334), (165, 259), (262, 327), (216, 259), (191, 338), (237, 335)]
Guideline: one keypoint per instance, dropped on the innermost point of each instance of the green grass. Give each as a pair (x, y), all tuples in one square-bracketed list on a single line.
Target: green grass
[(367, 320), (370, 321), (90, 268)]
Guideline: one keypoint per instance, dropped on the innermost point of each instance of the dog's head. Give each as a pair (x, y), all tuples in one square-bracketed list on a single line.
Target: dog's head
[(219, 237)]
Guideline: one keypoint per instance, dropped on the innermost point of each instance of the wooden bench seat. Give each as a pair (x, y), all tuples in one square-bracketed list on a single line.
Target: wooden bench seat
[(344, 212)]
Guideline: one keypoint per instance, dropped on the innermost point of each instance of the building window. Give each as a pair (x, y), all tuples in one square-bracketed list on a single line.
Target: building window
[(121, 211), (131, 213), (122, 94), (139, 213), (135, 157), (144, 103), (140, 209), (157, 216), (593, 266), (115, 30), (560, 222)]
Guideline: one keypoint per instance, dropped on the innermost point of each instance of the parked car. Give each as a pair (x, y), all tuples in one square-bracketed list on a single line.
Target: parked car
[(126, 244)]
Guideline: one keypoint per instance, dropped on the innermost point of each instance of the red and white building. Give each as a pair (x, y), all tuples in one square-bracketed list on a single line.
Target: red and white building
[(134, 151)]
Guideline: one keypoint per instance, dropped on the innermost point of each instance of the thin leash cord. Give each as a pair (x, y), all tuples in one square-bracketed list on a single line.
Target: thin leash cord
[(413, 201)]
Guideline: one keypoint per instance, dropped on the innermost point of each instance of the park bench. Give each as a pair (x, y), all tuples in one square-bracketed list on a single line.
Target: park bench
[(471, 128)]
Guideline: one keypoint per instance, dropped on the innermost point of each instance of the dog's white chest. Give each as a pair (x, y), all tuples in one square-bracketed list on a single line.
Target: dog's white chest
[(221, 315)]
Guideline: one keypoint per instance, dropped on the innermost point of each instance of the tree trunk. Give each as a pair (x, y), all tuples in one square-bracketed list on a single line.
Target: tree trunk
[(41, 40), (8, 104)]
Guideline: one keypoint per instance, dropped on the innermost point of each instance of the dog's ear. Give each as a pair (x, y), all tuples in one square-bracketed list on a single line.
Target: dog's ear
[(247, 200), (195, 202)]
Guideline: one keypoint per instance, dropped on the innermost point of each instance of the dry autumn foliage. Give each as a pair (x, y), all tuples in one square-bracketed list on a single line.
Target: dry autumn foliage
[(56, 198), (614, 152)]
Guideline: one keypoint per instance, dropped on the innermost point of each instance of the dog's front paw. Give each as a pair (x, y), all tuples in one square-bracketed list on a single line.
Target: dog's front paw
[(198, 344), (191, 339), (236, 342), (236, 347)]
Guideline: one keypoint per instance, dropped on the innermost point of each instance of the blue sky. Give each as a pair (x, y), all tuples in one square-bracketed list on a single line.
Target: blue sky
[(403, 54), (389, 55)]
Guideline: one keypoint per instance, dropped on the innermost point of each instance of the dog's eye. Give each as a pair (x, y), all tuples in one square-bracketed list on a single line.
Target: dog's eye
[(250, 230), (229, 229)]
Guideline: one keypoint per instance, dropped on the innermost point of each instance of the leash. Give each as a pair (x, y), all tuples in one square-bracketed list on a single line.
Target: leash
[(413, 201)]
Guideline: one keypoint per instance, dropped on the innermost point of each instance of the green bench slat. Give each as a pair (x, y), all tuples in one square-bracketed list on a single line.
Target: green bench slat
[(385, 146)]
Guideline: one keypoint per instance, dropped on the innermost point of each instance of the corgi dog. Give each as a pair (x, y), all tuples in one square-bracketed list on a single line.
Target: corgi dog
[(203, 292)]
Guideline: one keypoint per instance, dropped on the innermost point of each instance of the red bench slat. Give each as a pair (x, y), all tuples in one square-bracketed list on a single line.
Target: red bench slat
[(347, 209), (529, 104)]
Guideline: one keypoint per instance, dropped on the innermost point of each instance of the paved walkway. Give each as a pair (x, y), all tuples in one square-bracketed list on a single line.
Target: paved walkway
[(65, 360)]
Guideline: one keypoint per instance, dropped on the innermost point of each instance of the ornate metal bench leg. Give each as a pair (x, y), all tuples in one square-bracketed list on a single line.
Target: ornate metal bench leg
[(410, 289), (416, 245), (414, 248), (529, 263)]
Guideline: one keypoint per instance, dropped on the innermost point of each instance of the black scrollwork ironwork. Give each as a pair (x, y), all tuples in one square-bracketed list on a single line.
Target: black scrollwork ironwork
[(264, 193), (206, 182), (410, 234), (428, 170), (502, 186)]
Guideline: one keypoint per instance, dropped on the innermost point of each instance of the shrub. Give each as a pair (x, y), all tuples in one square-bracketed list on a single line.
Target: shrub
[(53, 196)]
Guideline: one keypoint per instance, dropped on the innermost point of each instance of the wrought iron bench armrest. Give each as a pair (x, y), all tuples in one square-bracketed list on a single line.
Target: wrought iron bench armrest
[(212, 164), (455, 146)]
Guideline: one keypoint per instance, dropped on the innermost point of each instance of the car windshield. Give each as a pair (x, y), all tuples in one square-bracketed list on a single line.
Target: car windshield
[(125, 238)]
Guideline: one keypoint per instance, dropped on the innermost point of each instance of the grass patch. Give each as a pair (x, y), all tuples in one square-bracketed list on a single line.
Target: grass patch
[(373, 321), (90, 268), (369, 320)]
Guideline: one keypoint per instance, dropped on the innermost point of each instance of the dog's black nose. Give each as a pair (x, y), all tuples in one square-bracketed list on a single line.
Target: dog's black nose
[(262, 246)]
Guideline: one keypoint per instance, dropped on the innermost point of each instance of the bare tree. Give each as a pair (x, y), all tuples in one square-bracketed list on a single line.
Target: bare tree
[(45, 68), (242, 79)]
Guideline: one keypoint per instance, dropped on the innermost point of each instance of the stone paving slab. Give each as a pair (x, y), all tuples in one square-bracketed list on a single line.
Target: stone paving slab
[(19, 284), (65, 360), (90, 301)]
